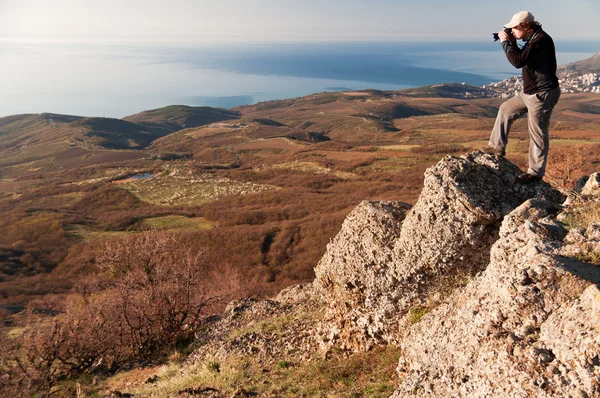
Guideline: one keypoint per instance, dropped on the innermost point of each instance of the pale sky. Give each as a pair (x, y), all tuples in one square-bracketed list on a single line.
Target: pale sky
[(286, 20)]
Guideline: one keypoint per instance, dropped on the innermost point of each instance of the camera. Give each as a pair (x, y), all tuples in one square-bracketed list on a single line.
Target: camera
[(506, 30)]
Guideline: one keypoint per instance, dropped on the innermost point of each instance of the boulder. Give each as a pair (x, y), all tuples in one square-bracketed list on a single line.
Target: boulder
[(592, 186), (354, 272), (528, 325), (388, 259)]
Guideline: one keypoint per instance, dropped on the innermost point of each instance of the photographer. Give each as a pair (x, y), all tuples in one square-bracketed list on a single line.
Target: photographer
[(541, 92)]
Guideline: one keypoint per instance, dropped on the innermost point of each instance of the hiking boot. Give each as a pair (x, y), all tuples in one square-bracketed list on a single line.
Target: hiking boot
[(527, 178), (493, 151)]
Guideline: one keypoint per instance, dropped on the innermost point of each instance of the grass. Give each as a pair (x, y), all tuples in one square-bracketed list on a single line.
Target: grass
[(214, 366), (88, 234), (178, 223), (303, 166), (15, 332), (389, 165), (570, 142), (35, 151), (370, 374), (313, 167), (64, 200), (208, 131), (583, 216), (416, 313), (590, 257), (398, 147)]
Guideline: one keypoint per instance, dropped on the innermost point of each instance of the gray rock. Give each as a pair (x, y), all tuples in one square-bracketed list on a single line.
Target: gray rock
[(556, 317), (592, 186), (484, 291), (388, 261), (354, 272), (295, 294)]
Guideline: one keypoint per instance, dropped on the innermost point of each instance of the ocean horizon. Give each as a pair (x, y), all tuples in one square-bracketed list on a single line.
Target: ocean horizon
[(120, 79)]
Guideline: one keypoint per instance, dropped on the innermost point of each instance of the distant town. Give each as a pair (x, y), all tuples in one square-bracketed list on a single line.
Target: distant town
[(570, 82)]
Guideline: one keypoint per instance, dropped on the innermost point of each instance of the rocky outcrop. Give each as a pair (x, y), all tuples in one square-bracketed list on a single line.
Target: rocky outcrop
[(526, 326), (592, 186), (267, 330), (353, 276), (504, 278), (388, 259)]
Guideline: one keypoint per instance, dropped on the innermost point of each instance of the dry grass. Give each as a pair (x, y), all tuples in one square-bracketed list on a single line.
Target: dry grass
[(584, 215), (176, 189), (370, 374), (208, 131), (313, 167), (178, 223), (416, 313), (272, 143), (398, 147), (395, 164)]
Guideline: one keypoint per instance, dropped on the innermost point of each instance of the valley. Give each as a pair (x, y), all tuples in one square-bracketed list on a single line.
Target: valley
[(270, 182)]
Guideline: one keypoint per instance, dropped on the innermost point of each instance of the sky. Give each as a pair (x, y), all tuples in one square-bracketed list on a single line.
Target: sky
[(286, 20)]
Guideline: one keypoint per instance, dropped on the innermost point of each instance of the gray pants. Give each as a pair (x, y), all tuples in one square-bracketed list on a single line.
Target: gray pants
[(539, 108)]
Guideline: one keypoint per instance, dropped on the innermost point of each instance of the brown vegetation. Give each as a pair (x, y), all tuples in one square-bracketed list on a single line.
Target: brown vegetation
[(347, 148), (151, 296), (566, 165)]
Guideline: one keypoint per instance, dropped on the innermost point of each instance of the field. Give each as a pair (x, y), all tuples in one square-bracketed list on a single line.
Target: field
[(178, 189)]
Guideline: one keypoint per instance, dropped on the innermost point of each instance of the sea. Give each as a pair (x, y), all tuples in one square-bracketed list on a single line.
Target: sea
[(120, 79)]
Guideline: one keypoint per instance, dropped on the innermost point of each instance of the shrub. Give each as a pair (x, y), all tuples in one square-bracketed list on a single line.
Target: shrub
[(566, 164), (214, 366), (152, 297)]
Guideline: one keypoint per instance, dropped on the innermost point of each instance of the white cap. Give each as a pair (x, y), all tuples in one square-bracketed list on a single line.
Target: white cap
[(520, 17)]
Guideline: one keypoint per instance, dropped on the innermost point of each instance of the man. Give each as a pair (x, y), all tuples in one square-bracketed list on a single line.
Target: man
[(539, 96)]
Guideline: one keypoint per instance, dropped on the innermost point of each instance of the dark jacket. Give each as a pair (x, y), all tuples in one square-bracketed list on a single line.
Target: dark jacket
[(538, 60)]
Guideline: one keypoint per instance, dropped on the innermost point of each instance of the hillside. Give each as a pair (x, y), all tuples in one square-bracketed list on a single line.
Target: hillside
[(258, 192), (29, 138), (590, 65), (176, 117), (366, 117), (19, 131), (483, 288), (26, 131), (290, 169)]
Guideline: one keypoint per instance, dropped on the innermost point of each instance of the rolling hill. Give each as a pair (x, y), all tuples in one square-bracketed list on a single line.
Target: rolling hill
[(177, 117), (589, 65), (32, 138)]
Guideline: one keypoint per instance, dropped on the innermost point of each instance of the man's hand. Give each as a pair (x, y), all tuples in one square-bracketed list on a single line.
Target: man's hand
[(506, 37)]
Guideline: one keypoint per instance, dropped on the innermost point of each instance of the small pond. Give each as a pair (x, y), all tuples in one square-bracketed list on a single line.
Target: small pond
[(143, 176)]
